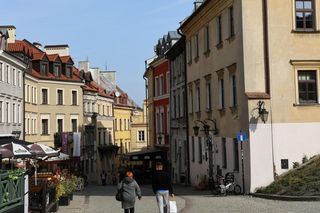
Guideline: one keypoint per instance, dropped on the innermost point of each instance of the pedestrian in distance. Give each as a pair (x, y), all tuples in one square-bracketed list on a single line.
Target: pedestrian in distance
[(103, 177), (162, 188), (130, 190)]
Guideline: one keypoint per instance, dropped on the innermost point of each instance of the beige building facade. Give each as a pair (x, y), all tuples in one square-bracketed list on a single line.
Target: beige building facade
[(139, 137), (245, 58), (52, 93)]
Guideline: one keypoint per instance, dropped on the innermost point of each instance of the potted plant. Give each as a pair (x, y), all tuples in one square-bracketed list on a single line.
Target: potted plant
[(62, 195)]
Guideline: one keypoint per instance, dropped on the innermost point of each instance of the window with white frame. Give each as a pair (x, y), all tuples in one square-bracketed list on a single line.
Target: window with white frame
[(305, 14), (44, 96), (161, 85), (1, 71), (74, 97), (208, 96), (168, 83), (157, 122), (197, 98), (192, 149), (174, 107), (156, 86), (45, 126), (74, 125), (28, 93), (224, 153), (59, 97), (196, 46), (182, 103), (206, 33), (19, 114), (14, 77), (233, 90), (190, 109), (231, 21), (7, 74), (59, 125), (14, 113), (199, 150), (1, 111), (140, 135), (219, 30), (162, 122), (189, 51), (7, 113), (57, 71), (307, 86), (19, 78), (178, 105), (221, 93)]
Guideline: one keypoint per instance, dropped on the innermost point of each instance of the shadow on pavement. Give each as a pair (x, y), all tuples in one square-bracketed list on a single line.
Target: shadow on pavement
[(110, 190)]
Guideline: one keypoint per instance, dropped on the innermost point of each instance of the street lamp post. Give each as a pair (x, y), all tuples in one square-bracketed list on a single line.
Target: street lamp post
[(206, 129)]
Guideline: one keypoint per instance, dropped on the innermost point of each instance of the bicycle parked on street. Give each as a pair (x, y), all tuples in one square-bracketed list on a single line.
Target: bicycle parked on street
[(225, 185)]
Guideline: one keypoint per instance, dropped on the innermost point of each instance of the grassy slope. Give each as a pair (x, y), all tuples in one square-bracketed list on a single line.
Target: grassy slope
[(304, 180)]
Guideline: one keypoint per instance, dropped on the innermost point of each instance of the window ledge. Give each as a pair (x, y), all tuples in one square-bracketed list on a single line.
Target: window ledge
[(231, 38), (222, 109), (45, 134), (209, 110), (306, 31), (306, 104), (207, 52), (220, 45)]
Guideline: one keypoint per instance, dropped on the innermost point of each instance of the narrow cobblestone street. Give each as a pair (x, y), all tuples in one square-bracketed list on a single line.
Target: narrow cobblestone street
[(96, 199)]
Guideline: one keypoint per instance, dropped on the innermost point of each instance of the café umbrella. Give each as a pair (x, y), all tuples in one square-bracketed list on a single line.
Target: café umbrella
[(5, 153), (41, 150), (19, 151)]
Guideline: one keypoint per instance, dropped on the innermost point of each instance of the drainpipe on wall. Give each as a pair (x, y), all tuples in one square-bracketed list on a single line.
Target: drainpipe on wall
[(186, 107), (266, 45), (267, 68), (147, 111)]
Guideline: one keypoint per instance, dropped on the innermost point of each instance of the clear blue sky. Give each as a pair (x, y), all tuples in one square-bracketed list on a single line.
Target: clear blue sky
[(120, 34)]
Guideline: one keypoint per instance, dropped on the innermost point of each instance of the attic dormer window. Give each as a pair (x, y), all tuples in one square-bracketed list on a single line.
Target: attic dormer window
[(57, 70), (69, 72), (44, 69)]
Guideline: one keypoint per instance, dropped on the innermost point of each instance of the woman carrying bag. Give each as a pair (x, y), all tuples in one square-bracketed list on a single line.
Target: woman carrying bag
[(130, 189)]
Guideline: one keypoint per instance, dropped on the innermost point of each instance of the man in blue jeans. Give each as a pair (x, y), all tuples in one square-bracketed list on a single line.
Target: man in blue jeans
[(162, 188)]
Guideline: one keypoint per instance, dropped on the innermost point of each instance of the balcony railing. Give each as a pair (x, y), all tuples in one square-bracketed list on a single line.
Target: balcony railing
[(11, 192)]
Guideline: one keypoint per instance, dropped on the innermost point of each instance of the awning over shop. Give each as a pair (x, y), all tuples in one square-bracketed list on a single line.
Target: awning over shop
[(150, 154)]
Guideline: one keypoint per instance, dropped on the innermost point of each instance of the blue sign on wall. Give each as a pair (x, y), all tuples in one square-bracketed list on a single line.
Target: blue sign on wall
[(241, 136)]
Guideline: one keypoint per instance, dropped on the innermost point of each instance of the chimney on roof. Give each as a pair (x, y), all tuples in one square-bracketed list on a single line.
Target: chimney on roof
[(11, 32), (60, 49), (84, 65), (38, 45)]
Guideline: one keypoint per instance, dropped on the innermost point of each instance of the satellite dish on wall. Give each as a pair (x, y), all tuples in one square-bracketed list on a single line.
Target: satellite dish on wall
[(117, 94)]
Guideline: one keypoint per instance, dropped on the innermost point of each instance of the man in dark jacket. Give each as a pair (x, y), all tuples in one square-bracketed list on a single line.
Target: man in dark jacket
[(162, 188)]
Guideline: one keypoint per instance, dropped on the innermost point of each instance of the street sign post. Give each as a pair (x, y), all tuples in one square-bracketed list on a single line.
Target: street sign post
[(242, 137)]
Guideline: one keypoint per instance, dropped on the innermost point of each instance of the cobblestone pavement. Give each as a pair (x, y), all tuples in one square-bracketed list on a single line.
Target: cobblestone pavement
[(96, 199)]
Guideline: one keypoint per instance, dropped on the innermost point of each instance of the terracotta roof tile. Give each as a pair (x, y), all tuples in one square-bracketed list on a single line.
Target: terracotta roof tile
[(38, 56), (53, 57)]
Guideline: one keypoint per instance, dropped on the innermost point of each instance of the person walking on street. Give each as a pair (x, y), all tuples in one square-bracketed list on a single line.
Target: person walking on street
[(103, 176), (130, 190), (162, 188)]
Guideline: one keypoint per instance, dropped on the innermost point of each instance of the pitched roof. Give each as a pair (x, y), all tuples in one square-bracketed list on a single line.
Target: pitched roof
[(91, 85), (54, 57), (66, 59), (39, 56)]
